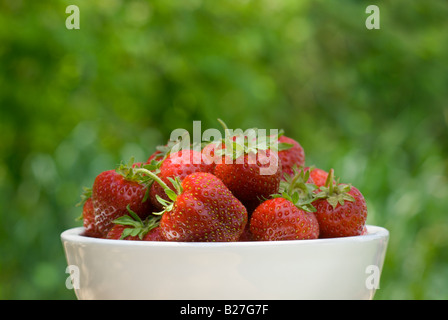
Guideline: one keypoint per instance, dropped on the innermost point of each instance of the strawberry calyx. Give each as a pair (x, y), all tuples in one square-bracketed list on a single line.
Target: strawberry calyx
[(146, 175), (298, 190), (334, 192), (137, 227), (251, 140), (85, 195), (128, 171)]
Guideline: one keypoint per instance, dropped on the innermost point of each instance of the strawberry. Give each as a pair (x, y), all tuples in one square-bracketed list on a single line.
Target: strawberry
[(178, 164), (292, 156), (249, 166), (112, 192), (340, 209), (246, 235), (318, 176), (154, 235), (212, 151), (202, 209), (280, 219), (88, 217), (245, 178)]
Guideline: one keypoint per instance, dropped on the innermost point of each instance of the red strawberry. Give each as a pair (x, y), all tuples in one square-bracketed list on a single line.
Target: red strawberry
[(279, 219), (251, 177), (210, 151), (112, 192), (154, 235), (340, 209), (89, 220), (178, 164), (246, 235), (249, 166), (203, 209), (290, 157), (319, 176)]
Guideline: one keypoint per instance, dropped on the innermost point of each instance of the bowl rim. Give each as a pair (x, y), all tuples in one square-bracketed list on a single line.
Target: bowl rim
[(75, 235)]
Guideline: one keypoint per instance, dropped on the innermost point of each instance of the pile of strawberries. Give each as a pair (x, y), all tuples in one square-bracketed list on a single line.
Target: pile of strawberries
[(218, 193)]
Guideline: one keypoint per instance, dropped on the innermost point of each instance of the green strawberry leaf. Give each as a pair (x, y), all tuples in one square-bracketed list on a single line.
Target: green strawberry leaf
[(85, 195), (126, 232), (132, 213), (126, 221), (296, 189), (171, 194), (177, 184), (137, 227), (284, 146), (295, 197), (334, 192)]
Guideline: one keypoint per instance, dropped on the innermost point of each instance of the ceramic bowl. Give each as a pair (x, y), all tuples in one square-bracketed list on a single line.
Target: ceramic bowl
[(339, 268)]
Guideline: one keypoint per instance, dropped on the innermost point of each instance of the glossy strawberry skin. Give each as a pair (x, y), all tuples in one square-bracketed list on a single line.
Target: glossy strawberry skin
[(179, 164), (88, 217), (344, 220), (246, 235), (245, 179), (205, 211), (154, 235), (279, 219), (295, 156), (318, 176), (111, 194)]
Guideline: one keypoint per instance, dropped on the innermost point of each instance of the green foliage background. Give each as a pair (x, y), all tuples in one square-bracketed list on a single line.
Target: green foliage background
[(372, 104)]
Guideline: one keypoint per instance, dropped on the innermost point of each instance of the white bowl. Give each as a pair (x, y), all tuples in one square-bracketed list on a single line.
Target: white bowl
[(339, 268)]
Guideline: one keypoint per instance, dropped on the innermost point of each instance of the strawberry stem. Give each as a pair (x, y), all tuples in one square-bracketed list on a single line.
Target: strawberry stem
[(165, 187), (329, 182), (86, 194), (334, 192), (226, 129)]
